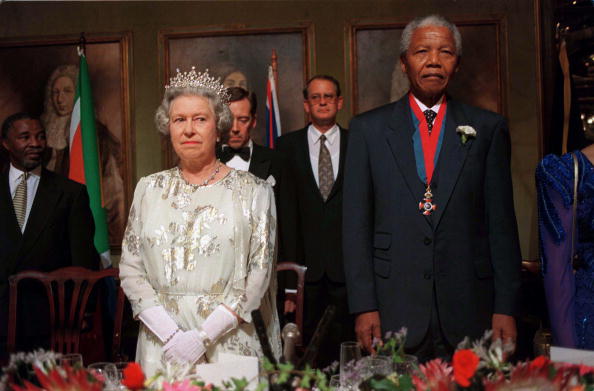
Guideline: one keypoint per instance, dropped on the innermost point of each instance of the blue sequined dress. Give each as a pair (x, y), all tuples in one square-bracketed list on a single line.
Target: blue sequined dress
[(570, 294)]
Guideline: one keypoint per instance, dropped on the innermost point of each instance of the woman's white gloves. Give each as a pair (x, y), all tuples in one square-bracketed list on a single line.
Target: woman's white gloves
[(159, 322), (218, 323), (187, 346)]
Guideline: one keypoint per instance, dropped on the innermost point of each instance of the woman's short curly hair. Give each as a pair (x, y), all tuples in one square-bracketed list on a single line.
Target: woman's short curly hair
[(223, 116)]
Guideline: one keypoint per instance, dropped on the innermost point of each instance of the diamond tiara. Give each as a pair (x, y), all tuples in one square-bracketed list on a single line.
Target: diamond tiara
[(200, 79)]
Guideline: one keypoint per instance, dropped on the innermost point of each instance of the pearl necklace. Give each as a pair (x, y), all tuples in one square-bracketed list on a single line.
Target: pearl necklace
[(212, 176)]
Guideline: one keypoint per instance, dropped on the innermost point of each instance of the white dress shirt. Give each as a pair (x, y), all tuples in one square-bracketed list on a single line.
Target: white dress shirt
[(332, 143), (434, 108), (15, 177), (238, 163)]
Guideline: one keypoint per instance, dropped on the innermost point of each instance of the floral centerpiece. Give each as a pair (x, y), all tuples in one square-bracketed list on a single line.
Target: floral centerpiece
[(39, 371), (479, 365)]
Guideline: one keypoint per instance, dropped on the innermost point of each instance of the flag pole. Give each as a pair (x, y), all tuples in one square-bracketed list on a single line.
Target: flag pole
[(274, 64), (82, 45)]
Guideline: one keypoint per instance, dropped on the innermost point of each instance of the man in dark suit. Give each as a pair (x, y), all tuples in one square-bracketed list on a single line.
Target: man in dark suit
[(311, 209), (239, 151), (430, 235), (45, 224)]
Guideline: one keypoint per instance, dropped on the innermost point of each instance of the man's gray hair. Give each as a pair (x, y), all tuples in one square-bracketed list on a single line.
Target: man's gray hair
[(430, 20), (223, 116)]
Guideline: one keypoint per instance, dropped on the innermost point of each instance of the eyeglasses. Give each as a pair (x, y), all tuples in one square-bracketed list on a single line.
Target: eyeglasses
[(317, 98)]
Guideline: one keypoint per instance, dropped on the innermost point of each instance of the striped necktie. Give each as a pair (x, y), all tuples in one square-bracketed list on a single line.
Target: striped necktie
[(19, 200)]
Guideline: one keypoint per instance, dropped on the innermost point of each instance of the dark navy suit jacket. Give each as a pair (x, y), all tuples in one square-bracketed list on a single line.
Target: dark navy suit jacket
[(467, 250)]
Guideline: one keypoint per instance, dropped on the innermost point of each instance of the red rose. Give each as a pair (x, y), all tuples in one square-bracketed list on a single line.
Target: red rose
[(539, 362), (133, 376), (465, 363), (585, 370)]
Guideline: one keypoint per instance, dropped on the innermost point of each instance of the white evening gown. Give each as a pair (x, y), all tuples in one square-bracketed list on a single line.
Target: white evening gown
[(190, 248)]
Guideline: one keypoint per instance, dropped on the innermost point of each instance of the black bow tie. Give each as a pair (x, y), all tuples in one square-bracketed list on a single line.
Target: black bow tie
[(227, 153)]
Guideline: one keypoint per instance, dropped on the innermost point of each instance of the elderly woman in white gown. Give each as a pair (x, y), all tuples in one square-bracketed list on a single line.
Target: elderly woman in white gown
[(198, 252)]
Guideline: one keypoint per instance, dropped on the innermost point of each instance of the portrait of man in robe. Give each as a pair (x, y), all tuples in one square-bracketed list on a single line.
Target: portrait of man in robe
[(39, 76)]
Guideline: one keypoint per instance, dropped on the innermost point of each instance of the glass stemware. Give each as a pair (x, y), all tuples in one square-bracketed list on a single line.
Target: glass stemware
[(409, 364), (107, 372), (350, 354), (74, 360), (334, 383)]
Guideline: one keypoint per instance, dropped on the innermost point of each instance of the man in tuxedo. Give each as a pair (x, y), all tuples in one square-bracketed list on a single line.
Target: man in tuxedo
[(45, 224), (430, 235), (239, 151), (311, 207)]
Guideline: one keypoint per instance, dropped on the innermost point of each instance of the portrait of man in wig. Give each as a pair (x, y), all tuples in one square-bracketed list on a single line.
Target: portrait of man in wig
[(60, 93)]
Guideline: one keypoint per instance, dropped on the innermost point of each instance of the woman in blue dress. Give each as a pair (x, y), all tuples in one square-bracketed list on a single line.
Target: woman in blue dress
[(569, 282)]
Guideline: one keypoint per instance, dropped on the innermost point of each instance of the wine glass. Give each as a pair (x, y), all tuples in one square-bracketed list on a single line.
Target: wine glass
[(377, 366), (74, 360), (334, 383), (120, 366), (407, 366), (107, 372), (350, 354)]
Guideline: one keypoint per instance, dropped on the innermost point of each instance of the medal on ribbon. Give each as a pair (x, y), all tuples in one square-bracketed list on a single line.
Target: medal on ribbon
[(427, 147), (426, 206)]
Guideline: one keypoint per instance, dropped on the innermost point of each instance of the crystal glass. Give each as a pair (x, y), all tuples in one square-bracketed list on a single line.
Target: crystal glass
[(74, 360), (350, 354), (120, 366), (408, 366), (376, 366), (107, 372), (334, 382)]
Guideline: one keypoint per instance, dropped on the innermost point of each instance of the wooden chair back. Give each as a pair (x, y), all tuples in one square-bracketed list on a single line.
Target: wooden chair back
[(298, 298), (68, 290)]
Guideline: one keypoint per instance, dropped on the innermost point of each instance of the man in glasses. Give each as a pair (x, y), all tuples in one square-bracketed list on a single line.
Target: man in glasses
[(312, 199)]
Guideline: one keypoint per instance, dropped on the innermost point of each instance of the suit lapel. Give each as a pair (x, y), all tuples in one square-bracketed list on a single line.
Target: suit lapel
[(7, 211), (306, 164), (451, 159), (399, 136), (259, 164), (48, 194)]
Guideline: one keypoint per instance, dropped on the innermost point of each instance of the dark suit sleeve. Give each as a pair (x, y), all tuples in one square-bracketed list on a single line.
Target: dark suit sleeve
[(503, 232), (357, 216), (288, 215), (81, 230)]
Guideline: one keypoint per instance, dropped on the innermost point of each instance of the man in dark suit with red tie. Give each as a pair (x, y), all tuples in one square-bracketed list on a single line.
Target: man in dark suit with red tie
[(311, 211), (430, 235), (45, 224)]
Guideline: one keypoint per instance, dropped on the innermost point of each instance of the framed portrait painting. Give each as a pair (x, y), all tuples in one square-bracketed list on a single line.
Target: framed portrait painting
[(240, 57), (373, 61), (39, 75)]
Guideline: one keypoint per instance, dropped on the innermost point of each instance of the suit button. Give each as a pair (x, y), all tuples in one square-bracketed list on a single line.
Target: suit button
[(427, 276), (427, 241)]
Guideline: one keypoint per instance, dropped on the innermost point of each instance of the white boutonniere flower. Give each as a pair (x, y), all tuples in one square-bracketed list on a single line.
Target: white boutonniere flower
[(465, 133)]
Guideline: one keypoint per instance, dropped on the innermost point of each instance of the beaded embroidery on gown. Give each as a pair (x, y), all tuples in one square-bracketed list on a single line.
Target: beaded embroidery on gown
[(570, 295), (190, 248)]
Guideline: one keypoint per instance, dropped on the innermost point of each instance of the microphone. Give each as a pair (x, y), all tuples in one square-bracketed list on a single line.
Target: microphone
[(290, 335)]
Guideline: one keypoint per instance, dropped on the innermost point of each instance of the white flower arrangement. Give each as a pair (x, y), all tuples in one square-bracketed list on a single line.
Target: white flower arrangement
[(465, 133)]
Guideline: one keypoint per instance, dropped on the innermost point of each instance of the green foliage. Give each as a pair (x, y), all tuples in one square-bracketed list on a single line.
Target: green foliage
[(236, 384), (393, 346)]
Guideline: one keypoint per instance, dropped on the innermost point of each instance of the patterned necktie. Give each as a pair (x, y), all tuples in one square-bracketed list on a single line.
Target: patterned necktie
[(325, 172), (429, 117), (20, 200)]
